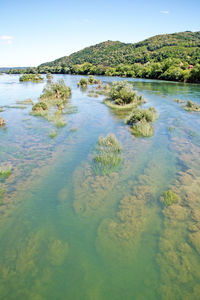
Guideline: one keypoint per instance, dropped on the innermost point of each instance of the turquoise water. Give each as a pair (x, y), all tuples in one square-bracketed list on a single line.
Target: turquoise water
[(69, 234)]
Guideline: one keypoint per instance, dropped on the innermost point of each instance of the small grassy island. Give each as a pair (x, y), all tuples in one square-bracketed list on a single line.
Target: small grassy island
[(52, 102), (121, 96), (91, 80), (108, 155), (141, 120), (191, 106), (31, 77)]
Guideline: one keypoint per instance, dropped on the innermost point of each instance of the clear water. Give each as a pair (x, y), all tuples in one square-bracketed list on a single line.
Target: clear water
[(68, 234)]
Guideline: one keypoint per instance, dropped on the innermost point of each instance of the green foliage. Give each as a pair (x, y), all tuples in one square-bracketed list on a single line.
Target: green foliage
[(53, 134), (5, 171), (56, 90), (108, 155), (136, 115), (142, 128), (121, 92), (83, 82), (49, 77), (169, 56), (40, 106), (31, 77), (191, 106), (169, 198)]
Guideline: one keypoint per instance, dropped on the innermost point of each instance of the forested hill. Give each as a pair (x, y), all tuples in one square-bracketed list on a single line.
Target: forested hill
[(183, 45), (169, 56)]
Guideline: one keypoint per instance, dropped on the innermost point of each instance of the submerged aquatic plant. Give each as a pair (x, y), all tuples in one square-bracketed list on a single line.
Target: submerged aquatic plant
[(53, 134), (2, 192), (108, 155), (26, 101), (168, 198), (5, 171), (31, 77)]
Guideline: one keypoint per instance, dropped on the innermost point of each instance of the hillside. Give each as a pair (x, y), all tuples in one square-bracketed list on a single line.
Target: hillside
[(183, 45), (169, 57)]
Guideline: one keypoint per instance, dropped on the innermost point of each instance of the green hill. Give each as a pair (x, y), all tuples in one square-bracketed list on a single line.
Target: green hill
[(183, 45), (169, 56)]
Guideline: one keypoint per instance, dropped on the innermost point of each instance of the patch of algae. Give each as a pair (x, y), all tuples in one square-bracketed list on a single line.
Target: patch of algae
[(29, 264), (179, 246)]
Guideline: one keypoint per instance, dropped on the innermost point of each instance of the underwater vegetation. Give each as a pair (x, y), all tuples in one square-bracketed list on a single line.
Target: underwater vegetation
[(53, 134), (179, 101), (5, 171), (26, 101), (141, 120), (191, 106), (168, 198), (2, 121), (31, 77), (2, 192), (179, 243), (108, 155)]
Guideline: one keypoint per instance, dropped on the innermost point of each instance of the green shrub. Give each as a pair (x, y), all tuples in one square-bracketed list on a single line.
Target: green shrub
[(56, 90), (49, 76), (40, 106), (168, 198), (92, 80), (191, 106), (150, 115), (142, 128), (122, 93), (31, 77), (53, 134), (83, 82)]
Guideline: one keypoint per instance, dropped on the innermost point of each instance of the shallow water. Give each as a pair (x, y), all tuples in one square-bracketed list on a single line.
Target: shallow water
[(69, 234)]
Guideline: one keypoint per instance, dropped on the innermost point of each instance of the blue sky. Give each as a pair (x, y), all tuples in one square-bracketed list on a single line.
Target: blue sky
[(33, 32)]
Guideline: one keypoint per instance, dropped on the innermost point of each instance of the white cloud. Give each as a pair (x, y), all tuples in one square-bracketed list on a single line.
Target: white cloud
[(164, 12), (7, 39)]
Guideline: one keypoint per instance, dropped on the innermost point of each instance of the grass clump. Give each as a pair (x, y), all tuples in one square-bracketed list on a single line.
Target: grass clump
[(83, 83), (122, 96), (142, 128), (141, 120), (31, 77), (93, 80), (191, 106), (168, 198), (149, 115), (5, 171), (40, 106), (56, 90), (108, 155), (2, 122)]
